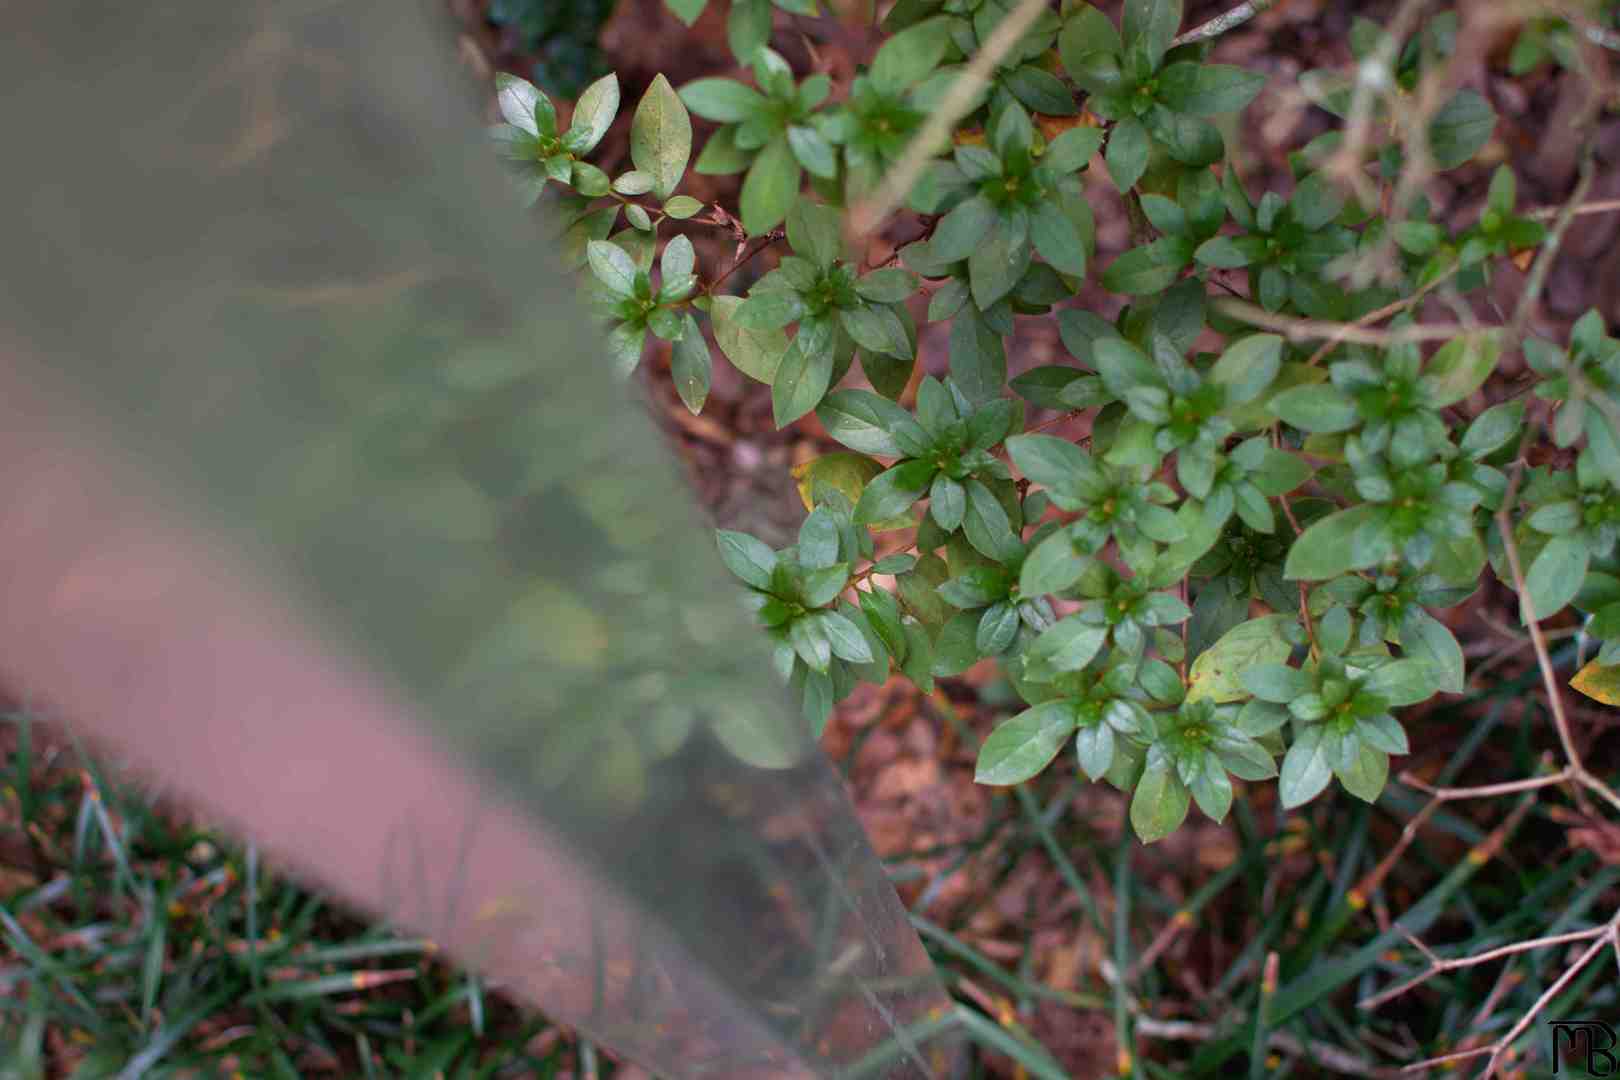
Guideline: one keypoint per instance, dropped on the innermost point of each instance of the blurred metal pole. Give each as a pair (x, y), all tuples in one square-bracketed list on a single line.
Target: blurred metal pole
[(319, 506)]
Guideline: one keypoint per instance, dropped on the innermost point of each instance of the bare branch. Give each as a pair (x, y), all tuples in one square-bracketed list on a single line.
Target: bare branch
[(936, 131), (1296, 329), (1230, 20), (1439, 964)]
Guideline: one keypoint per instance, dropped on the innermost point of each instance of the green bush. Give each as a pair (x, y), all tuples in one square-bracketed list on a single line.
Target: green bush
[(1326, 465)]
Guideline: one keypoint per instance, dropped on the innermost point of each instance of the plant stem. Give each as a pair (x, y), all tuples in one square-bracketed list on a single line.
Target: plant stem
[(1230, 20)]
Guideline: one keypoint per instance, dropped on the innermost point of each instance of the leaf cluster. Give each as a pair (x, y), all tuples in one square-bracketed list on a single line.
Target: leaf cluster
[(1240, 572)]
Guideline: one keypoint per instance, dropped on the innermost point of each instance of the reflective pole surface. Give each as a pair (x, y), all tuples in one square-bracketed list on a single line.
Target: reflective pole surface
[(321, 509)]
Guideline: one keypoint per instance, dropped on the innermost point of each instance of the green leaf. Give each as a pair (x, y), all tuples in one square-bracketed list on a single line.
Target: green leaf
[(1279, 472), (588, 180), (687, 10), (894, 491), (845, 638), (818, 540), (1556, 575), (1088, 30), (748, 28), (1151, 268), (919, 662), (1164, 214), (1461, 366), (1247, 368), (770, 188), (1040, 91), (1321, 408), (725, 101), (1024, 745), (634, 182), (721, 156), (612, 266), (888, 286), (1217, 674), (1492, 429), (690, 366), (1000, 260), (1230, 252), (987, 527), (1274, 682), (1123, 366), (594, 112), (1401, 682), (1161, 800), (919, 589), (682, 207), (809, 638), (1208, 89), (978, 359), (1460, 128), (769, 309), (803, 376), (1366, 771), (1058, 239), (1330, 547), (1055, 464), (1095, 747), (750, 559), (624, 348), (947, 502), (997, 629), (864, 421), (661, 137), (1315, 202), (1152, 24), (1211, 788), (822, 585), (1427, 640), (960, 232), (1305, 770), (846, 473), (813, 151), (1127, 154), (910, 56), (877, 329), (1073, 149), (678, 260), (1052, 566), (755, 353), (1067, 645), (518, 100)]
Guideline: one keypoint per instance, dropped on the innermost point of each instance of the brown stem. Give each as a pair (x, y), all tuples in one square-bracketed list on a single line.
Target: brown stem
[(764, 242)]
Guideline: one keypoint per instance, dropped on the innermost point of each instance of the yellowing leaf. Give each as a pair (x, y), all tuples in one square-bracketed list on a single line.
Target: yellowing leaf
[(847, 472), (1598, 682), (1215, 673)]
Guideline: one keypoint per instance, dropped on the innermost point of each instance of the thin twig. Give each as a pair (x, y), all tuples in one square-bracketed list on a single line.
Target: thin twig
[(1501, 1045), (1321, 1053), (1375, 76), (1438, 964), (1297, 329), (1597, 206), (1220, 24), (1380, 314), (958, 101), (1488, 791), (1549, 246), (1549, 678), (764, 242)]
